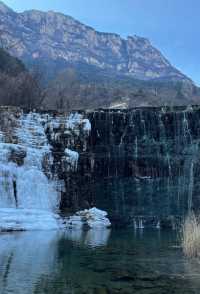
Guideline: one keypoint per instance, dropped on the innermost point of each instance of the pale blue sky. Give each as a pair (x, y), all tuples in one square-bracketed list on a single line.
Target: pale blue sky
[(173, 26)]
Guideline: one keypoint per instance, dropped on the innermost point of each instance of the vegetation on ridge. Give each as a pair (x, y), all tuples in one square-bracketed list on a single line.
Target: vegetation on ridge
[(17, 86)]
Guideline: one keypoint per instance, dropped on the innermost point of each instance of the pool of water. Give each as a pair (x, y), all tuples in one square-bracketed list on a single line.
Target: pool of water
[(100, 262)]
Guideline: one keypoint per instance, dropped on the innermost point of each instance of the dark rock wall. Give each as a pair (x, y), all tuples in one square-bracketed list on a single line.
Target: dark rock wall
[(138, 164)]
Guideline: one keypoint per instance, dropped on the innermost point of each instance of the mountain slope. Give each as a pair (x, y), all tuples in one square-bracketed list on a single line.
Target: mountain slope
[(56, 40), (10, 65), (86, 69), (17, 86)]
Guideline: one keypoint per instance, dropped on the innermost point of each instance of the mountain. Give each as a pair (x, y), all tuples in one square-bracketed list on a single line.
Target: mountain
[(9, 64), (57, 40), (83, 68)]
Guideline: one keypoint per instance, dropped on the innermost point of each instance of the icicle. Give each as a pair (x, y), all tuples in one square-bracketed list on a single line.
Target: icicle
[(138, 224), (72, 159), (186, 129), (190, 188), (158, 225), (141, 225), (135, 224), (136, 148)]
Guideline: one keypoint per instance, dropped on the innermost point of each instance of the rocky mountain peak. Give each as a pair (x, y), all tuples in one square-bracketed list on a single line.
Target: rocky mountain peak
[(4, 8), (56, 39)]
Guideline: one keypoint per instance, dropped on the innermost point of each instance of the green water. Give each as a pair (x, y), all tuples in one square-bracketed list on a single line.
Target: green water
[(100, 262)]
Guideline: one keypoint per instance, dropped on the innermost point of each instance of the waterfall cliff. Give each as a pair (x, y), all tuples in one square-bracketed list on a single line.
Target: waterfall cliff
[(30, 191), (141, 165)]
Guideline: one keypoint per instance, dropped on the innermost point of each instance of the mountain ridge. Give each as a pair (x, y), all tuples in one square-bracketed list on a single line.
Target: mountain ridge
[(55, 37), (81, 68)]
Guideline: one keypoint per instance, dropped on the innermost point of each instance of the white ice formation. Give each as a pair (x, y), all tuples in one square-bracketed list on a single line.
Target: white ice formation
[(29, 191), (29, 197), (90, 218), (71, 157)]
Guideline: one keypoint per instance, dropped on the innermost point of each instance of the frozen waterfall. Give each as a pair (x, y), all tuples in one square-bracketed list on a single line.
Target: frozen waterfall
[(29, 197), (32, 168)]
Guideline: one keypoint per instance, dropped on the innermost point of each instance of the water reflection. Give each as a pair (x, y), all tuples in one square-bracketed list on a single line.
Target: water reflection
[(96, 261), (24, 257), (92, 238), (97, 237)]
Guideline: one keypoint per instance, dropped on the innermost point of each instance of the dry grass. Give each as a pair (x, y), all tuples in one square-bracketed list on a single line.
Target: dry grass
[(191, 236)]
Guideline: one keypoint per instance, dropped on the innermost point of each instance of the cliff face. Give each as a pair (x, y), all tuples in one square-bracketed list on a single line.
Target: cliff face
[(55, 40), (140, 165), (81, 68)]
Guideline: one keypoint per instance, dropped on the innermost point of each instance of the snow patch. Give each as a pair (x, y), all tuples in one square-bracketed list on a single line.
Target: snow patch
[(87, 125), (77, 120), (12, 219), (71, 157), (92, 218)]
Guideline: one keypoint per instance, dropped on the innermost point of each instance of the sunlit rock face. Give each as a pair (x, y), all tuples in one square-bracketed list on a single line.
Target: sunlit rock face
[(56, 40), (139, 165)]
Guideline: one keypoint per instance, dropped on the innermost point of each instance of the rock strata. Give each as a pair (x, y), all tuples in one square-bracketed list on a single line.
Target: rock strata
[(56, 40)]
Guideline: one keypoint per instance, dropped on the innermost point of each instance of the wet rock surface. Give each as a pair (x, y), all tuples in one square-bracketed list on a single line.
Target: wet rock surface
[(141, 165)]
